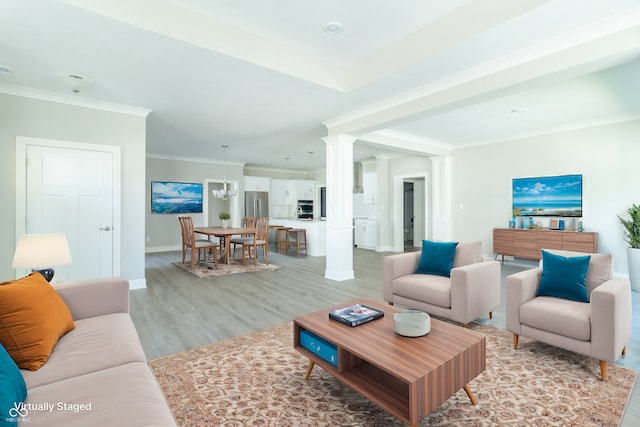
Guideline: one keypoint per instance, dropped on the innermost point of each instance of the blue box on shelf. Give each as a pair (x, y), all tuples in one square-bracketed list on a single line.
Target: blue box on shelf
[(319, 346)]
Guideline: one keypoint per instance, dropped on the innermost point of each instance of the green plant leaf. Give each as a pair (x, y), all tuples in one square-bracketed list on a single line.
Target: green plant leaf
[(632, 226)]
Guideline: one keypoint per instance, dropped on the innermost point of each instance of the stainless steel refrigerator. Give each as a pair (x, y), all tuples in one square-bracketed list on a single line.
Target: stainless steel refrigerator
[(256, 203)]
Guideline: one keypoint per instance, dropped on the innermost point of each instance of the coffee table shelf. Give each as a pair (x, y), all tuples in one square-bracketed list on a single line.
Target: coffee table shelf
[(382, 388), (407, 377)]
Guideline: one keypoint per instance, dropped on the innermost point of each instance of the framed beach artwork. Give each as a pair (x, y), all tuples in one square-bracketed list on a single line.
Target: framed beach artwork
[(169, 197), (559, 196)]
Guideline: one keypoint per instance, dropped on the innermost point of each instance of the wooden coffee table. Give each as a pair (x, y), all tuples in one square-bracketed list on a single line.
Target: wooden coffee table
[(407, 377)]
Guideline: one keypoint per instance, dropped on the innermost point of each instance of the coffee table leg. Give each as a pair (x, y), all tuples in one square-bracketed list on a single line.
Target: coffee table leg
[(311, 365), (472, 398)]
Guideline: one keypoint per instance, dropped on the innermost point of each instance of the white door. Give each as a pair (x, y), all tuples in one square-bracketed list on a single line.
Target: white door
[(71, 191)]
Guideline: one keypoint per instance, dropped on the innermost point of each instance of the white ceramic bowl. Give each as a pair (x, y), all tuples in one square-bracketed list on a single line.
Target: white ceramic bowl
[(411, 323)]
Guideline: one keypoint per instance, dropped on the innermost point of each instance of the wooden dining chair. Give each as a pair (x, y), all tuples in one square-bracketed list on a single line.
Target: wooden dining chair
[(189, 241), (247, 222), (261, 238)]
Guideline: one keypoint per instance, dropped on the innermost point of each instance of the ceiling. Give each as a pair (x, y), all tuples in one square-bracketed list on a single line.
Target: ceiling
[(264, 78)]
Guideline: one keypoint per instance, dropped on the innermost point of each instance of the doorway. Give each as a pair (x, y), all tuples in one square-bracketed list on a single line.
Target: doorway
[(71, 188), (409, 216), (410, 212)]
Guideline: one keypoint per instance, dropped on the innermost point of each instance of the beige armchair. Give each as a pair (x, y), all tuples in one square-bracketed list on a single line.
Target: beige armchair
[(472, 291), (599, 328)]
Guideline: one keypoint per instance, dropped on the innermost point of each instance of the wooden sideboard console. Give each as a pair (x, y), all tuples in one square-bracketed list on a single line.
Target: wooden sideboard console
[(528, 243)]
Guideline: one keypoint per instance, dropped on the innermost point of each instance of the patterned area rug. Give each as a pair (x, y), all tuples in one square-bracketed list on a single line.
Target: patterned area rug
[(236, 266), (257, 380)]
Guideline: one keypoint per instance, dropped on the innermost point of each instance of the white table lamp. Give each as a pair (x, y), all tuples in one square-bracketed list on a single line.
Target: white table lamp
[(40, 252)]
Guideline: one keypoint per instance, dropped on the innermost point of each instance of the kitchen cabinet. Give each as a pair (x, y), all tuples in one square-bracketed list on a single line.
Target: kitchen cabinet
[(370, 187), (256, 183), (280, 193), (366, 233), (304, 189)]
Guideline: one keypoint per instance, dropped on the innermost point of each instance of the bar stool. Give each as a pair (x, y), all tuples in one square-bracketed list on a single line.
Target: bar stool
[(297, 237), (281, 238)]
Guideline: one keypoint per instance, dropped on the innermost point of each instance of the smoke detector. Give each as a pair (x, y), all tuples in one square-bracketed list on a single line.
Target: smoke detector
[(76, 82)]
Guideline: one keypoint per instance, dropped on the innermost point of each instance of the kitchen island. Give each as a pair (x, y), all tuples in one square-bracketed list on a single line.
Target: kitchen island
[(316, 233)]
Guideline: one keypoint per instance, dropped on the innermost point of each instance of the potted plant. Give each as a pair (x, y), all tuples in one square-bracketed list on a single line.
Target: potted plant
[(225, 217), (632, 231)]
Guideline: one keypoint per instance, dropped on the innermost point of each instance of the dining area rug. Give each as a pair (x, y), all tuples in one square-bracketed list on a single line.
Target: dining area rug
[(235, 267), (257, 380)]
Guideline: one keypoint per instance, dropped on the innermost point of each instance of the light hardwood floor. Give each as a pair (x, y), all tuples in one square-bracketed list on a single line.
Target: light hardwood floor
[(178, 311)]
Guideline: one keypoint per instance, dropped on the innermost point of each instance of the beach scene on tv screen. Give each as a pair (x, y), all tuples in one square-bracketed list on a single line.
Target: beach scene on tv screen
[(548, 196), (176, 197)]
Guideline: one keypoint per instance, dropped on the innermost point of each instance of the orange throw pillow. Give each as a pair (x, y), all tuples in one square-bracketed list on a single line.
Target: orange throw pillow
[(33, 317)]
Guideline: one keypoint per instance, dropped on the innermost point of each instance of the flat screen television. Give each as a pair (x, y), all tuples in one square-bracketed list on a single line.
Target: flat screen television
[(548, 196), (175, 197)]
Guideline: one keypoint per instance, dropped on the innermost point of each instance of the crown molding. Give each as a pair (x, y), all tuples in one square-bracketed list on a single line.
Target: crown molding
[(624, 118), (194, 159), (75, 100)]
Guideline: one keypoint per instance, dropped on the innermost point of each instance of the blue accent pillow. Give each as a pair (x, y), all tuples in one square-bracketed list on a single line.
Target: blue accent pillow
[(437, 258), (564, 277), (13, 389)]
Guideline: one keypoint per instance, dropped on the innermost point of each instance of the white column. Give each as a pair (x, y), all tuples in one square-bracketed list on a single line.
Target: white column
[(384, 214), (339, 261), (442, 227)]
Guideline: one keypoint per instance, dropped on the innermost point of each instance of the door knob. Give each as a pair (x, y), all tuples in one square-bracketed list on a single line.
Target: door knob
[(107, 228)]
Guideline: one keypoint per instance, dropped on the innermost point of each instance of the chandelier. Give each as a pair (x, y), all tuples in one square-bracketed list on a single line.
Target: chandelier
[(224, 193)]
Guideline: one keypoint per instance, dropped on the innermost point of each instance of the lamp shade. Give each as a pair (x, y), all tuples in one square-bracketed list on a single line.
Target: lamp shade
[(41, 251)]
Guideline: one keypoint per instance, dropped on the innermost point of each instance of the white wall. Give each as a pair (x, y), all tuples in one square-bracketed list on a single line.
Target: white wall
[(163, 230), (607, 157), (23, 116)]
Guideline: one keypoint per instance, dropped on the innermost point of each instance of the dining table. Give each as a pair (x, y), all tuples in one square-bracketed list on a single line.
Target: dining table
[(225, 234)]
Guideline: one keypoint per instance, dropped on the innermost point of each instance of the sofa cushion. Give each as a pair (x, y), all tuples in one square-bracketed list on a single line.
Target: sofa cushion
[(600, 267), (97, 343), (424, 287), (564, 277), (32, 319), (126, 395), (559, 316), (468, 253), (437, 258), (13, 390)]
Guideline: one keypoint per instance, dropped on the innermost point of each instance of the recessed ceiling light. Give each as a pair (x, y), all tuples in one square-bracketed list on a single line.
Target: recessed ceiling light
[(332, 27)]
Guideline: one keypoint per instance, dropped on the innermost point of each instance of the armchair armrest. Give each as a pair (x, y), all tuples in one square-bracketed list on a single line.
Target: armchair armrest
[(521, 287), (90, 298), (475, 290), (610, 318), (395, 266)]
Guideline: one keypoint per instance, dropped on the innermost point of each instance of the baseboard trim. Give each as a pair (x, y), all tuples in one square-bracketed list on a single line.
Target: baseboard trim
[(137, 284), (339, 276), (150, 250)]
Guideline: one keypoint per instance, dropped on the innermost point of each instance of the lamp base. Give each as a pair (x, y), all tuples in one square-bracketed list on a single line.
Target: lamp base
[(47, 273)]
